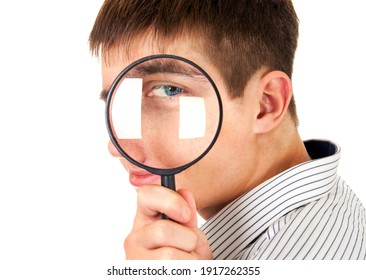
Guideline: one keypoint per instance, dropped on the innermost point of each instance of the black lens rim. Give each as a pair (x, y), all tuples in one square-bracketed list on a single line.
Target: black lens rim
[(153, 170)]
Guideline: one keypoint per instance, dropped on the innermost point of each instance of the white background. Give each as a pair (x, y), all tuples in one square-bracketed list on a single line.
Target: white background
[(65, 204)]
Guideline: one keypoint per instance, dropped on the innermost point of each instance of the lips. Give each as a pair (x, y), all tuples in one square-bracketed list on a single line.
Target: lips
[(142, 178), (138, 176)]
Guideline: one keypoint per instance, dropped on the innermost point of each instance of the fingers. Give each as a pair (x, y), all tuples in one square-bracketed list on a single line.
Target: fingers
[(152, 201), (165, 253), (167, 240), (202, 250), (163, 233), (154, 238), (189, 198)]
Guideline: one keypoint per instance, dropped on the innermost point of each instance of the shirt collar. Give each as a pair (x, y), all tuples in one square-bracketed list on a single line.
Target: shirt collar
[(237, 225)]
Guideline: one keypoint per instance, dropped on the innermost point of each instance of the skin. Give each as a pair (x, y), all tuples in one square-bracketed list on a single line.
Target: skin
[(258, 140)]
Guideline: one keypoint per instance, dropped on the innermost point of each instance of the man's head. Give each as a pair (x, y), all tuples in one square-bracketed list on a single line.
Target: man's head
[(238, 36), (247, 47)]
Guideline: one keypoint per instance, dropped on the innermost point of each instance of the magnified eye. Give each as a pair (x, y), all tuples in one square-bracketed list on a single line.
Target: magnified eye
[(166, 90)]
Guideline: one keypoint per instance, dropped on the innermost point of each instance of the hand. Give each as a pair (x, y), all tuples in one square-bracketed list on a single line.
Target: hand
[(154, 238)]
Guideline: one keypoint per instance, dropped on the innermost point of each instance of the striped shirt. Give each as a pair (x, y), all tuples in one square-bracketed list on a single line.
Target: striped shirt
[(305, 212)]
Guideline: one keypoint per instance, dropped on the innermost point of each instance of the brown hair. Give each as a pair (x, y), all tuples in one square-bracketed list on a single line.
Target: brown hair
[(238, 36)]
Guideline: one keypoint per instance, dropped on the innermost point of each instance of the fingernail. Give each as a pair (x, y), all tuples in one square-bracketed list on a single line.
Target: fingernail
[(186, 213)]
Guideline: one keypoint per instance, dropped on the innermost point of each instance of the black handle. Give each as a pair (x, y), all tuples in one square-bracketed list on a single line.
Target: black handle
[(168, 181)]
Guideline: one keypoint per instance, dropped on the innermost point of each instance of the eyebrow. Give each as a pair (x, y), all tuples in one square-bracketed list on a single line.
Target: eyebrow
[(170, 67), (103, 94), (157, 66)]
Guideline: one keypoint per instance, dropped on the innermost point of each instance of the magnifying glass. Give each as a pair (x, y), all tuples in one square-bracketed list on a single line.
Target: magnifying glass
[(163, 113)]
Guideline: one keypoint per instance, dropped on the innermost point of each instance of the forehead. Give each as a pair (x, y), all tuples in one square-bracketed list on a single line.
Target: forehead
[(118, 57)]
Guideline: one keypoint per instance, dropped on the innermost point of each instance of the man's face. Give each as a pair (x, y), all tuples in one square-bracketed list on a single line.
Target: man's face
[(226, 170)]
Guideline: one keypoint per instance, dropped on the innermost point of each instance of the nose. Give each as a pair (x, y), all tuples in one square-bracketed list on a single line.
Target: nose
[(113, 150), (134, 150)]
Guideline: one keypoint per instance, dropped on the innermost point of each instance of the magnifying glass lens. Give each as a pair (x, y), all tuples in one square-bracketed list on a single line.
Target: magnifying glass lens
[(164, 113)]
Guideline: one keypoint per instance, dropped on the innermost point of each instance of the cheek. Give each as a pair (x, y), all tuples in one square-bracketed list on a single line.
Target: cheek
[(222, 174), (215, 178)]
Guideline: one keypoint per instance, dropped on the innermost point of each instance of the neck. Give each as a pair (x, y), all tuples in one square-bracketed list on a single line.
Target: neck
[(278, 151), (274, 152)]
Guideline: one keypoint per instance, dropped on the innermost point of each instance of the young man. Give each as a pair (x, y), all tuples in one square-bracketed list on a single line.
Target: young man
[(264, 193)]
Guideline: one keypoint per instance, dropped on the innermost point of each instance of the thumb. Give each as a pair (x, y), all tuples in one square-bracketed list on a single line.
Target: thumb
[(189, 198), (202, 250)]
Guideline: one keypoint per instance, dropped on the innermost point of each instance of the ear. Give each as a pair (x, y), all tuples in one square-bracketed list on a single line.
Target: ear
[(274, 97)]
